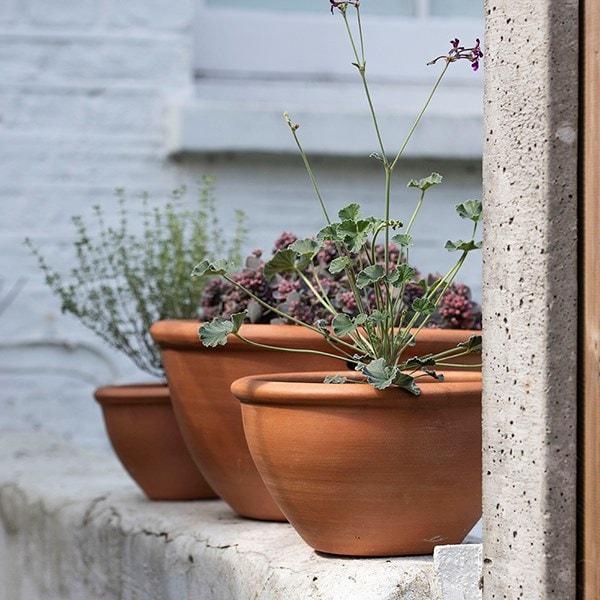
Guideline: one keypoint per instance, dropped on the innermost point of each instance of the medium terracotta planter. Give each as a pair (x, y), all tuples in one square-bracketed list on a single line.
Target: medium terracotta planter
[(144, 434), (209, 416), (366, 472)]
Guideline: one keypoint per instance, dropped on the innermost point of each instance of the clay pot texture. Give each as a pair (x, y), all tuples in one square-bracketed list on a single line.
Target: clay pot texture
[(209, 416), (366, 472), (143, 432)]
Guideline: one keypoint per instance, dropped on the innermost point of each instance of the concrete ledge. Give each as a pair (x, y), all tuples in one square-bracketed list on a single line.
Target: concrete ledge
[(73, 526)]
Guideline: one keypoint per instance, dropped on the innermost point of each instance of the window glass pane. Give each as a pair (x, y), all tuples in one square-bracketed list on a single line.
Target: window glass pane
[(456, 8), (399, 8)]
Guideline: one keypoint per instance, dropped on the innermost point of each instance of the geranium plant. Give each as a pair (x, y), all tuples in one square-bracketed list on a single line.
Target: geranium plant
[(372, 254)]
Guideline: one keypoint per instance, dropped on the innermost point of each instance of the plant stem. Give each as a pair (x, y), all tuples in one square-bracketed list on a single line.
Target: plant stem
[(321, 298), (418, 119), (388, 188), (285, 315), (307, 166), (361, 66), (415, 212), (444, 283), (293, 350)]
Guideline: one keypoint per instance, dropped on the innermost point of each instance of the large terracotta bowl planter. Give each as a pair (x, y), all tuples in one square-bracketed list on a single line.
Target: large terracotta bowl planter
[(143, 432), (209, 416), (366, 472)]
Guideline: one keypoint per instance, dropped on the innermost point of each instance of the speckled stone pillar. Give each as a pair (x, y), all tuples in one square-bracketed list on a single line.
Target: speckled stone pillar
[(530, 299)]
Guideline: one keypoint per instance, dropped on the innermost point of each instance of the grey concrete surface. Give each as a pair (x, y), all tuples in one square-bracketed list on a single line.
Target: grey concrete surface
[(73, 527), (530, 299)]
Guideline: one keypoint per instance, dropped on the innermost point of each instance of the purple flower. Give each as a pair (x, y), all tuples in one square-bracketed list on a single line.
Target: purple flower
[(341, 5), (458, 52), (285, 240), (456, 309), (284, 288)]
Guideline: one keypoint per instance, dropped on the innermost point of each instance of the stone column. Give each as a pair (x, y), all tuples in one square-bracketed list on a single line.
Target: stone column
[(530, 299)]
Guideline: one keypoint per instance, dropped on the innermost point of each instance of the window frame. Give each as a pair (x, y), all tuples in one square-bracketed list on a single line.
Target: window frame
[(244, 81)]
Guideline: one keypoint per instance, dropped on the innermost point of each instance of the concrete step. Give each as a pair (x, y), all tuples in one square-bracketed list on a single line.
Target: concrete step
[(73, 526)]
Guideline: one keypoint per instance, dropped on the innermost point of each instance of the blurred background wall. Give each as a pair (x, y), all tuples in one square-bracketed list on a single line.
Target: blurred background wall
[(148, 95)]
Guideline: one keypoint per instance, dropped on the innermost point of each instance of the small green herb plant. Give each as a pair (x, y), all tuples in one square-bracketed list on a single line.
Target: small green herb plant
[(131, 275), (375, 339)]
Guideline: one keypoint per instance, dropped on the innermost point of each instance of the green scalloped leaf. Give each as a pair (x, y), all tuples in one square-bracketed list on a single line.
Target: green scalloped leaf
[(350, 213), (417, 362), (215, 333), (462, 245), (218, 267), (404, 240), (407, 382), (340, 263), (343, 325), (473, 344), (425, 183), (329, 232), (369, 276), (237, 319), (306, 247), (423, 306), (354, 234), (336, 379), (378, 316), (470, 209), (401, 274), (378, 373), (283, 261), (434, 374)]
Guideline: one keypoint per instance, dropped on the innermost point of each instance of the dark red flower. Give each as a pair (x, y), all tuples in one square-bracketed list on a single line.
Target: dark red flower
[(343, 3), (335, 4), (458, 52)]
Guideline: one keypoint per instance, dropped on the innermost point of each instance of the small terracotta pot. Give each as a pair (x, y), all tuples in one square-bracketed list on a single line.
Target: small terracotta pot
[(209, 416), (366, 472), (144, 434)]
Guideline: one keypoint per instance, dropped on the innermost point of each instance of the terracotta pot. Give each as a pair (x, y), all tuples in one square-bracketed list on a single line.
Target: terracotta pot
[(209, 416), (144, 434), (366, 472)]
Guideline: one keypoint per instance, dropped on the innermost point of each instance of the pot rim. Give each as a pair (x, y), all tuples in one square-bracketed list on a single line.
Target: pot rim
[(133, 393), (175, 333), (308, 389)]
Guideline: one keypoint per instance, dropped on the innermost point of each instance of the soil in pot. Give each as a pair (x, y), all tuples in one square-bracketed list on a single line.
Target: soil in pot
[(366, 472), (143, 432)]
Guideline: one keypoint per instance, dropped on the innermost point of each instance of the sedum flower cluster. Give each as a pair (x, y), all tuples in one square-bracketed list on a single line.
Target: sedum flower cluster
[(290, 295)]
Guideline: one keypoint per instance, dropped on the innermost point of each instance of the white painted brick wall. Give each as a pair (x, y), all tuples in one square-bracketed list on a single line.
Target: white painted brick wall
[(83, 88)]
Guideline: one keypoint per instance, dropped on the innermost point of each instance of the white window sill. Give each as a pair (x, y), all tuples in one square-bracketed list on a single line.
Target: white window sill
[(72, 526), (238, 117)]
